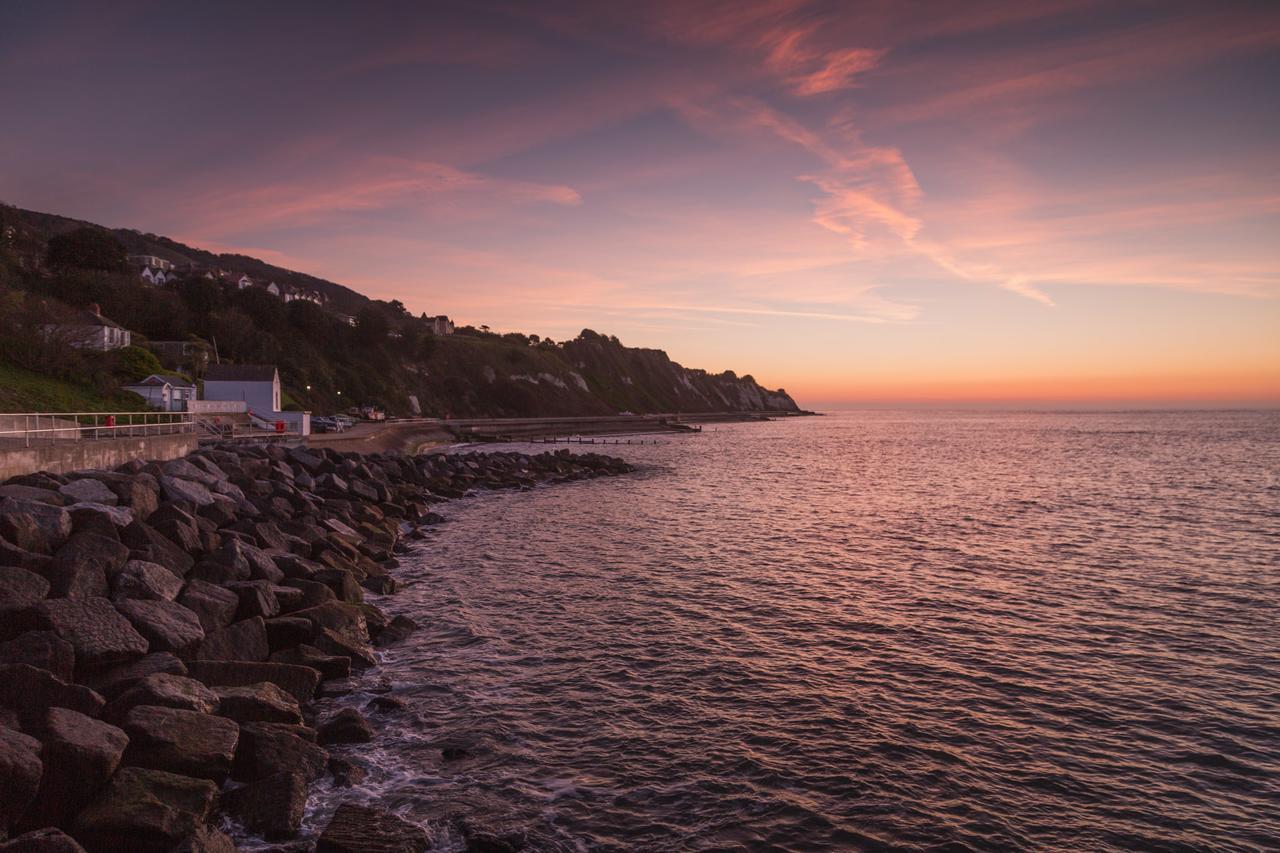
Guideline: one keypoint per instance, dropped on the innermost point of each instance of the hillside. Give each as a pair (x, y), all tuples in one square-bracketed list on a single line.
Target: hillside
[(388, 358)]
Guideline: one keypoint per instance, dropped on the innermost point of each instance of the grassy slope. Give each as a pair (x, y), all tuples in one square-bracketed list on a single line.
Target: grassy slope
[(24, 391)]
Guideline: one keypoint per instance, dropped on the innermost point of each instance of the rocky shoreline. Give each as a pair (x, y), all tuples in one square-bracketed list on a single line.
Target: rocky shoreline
[(166, 630)]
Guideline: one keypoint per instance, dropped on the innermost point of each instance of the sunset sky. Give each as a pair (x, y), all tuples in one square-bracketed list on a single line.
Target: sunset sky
[(1062, 201)]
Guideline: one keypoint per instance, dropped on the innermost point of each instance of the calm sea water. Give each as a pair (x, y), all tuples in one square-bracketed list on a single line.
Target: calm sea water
[(864, 631)]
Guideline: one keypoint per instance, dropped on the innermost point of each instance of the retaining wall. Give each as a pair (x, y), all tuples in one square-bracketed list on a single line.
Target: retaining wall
[(63, 456)]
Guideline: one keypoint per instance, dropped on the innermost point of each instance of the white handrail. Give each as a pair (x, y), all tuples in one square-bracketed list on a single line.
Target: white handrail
[(88, 426)]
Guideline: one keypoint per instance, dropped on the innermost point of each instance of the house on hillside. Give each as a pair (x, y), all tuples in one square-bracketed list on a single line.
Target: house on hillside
[(440, 325), (166, 393), (273, 288), (258, 386), (86, 328), (152, 275), (190, 356), (152, 261), (346, 318)]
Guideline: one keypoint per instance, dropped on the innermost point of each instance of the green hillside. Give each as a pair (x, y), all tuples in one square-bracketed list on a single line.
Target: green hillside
[(388, 358)]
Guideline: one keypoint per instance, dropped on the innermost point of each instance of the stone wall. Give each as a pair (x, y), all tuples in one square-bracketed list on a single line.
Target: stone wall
[(63, 456)]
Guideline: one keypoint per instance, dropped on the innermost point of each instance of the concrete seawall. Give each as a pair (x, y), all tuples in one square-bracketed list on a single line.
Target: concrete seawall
[(105, 454)]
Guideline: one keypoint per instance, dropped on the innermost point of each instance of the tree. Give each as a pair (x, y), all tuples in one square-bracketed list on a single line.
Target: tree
[(87, 248), (372, 326)]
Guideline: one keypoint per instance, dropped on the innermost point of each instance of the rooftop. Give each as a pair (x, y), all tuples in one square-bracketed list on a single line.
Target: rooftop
[(240, 373)]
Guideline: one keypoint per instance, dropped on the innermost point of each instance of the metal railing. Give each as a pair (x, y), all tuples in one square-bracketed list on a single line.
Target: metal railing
[(36, 427)]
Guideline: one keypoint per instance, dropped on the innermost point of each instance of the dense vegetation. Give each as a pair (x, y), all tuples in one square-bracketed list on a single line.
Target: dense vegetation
[(49, 265)]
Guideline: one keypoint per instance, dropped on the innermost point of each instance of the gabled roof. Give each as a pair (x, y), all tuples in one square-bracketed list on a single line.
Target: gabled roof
[(85, 317), (240, 373)]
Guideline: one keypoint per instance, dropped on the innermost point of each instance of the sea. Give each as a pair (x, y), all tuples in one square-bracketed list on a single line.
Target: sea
[(915, 630)]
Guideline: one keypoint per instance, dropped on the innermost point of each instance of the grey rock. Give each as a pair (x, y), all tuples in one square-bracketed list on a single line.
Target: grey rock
[(300, 682), (262, 702), (180, 741), (89, 491), (81, 567), (163, 690), (216, 607), (363, 829), (53, 521), (272, 807), (266, 749), (242, 641), (145, 811), (113, 681), (19, 590), (20, 772), (43, 650), (79, 755), (145, 580), (185, 491), (31, 692), (99, 634), (346, 726), (47, 840), (167, 625)]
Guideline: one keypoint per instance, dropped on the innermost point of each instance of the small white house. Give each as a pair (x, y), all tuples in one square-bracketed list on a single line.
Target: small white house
[(88, 329), (441, 325), (166, 393), (151, 261), (256, 384)]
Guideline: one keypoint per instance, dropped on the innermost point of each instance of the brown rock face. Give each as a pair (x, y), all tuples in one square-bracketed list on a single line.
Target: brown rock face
[(99, 635), (20, 772), (180, 741), (31, 692), (147, 811), (361, 829), (79, 755), (271, 807), (167, 625)]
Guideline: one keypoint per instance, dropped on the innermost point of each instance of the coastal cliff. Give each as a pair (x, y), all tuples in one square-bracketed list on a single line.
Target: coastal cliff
[(334, 347)]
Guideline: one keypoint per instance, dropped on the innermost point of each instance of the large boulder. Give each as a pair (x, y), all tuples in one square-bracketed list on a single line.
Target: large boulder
[(346, 726), (233, 561), (300, 682), (43, 650), (340, 645), (31, 692), (285, 632), (103, 519), (185, 491), (147, 543), (216, 607), (208, 839), (20, 772), (139, 492), (258, 703), (329, 666), (163, 690), (19, 590), (47, 840), (22, 530), (243, 640), (167, 625), (145, 811), (257, 598), (19, 491), (180, 741), (93, 627), (266, 749), (272, 807), (82, 566), (141, 579), (79, 755), (113, 681), (363, 829), (89, 491), (187, 469), (53, 521), (344, 619)]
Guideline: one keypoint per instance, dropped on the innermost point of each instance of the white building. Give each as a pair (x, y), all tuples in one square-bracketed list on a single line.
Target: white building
[(151, 261), (440, 325), (258, 385), (87, 329), (167, 393)]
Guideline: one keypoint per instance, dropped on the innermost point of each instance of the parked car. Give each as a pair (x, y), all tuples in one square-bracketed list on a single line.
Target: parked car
[(327, 424)]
